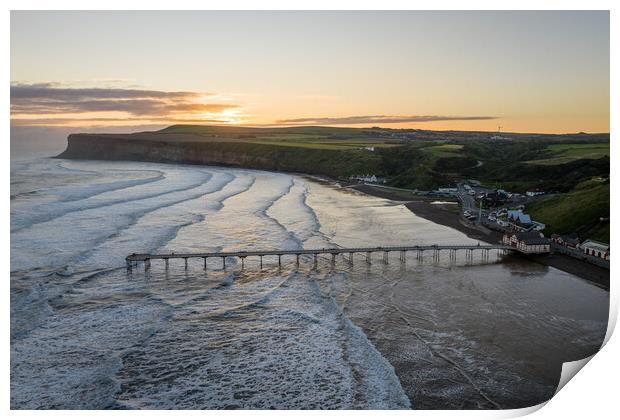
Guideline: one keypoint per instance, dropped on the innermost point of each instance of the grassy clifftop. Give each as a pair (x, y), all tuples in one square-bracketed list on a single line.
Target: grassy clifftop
[(222, 151), (578, 211)]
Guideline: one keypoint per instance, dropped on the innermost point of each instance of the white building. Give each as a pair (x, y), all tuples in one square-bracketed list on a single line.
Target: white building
[(595, 249), (534, 192), (365, 178)]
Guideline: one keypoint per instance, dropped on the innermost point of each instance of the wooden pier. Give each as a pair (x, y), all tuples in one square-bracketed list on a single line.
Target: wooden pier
[(419, 250)]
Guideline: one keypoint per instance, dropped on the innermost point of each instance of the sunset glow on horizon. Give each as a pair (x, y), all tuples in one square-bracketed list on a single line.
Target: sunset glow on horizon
[(544, 72)]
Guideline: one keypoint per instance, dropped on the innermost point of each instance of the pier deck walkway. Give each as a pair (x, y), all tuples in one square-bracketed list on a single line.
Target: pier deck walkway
[(133, 259)]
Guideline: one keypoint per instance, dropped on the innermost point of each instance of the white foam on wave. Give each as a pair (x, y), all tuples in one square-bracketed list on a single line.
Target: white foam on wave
[(295, 215), (241, 222), (156, 228), (274, 342), (41, 246), (69, 361), (93, 196)]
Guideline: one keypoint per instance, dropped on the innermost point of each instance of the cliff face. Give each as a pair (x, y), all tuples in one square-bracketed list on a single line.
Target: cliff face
[(250, 155)]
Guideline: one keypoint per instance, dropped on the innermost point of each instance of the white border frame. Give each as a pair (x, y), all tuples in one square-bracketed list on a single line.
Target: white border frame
[(592, 394)]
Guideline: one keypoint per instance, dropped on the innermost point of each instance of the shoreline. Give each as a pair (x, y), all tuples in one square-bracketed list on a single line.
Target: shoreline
[(442, 215)]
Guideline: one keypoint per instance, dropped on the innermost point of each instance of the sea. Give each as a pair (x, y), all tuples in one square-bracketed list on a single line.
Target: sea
[(86, 333)]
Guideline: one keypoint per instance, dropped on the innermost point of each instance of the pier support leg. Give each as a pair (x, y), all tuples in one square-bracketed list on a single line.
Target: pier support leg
[(261, 262), (350, 258), (316, 259), (147, 264), (279, 260), (167, 263), (242, 262), (223, 263), (368, 258), (333, 259), (185, 263), (204, 263), (386, 257), (297, 259), (403, 256)]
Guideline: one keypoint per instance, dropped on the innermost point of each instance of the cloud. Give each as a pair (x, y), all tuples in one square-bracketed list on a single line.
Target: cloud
[(109, 122), (55, 91), (49, 100), (379, 119)]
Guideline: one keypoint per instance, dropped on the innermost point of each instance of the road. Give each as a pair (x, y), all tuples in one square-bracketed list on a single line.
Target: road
[(468, 201)]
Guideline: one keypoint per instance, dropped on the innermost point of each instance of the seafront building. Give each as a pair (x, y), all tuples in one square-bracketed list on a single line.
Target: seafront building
[(595, 249), (568, 241), (532, 242), (523, 222)]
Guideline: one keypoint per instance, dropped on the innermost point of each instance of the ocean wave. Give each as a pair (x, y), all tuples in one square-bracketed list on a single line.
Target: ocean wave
[(223, 360), (23, 218), (87, 231), (71, 360)]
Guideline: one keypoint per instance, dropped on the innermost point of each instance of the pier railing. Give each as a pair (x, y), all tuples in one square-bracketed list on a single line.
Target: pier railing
[(134, 259)]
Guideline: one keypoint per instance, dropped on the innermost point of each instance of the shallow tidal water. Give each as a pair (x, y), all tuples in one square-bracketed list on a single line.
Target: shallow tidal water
[(85, 333)]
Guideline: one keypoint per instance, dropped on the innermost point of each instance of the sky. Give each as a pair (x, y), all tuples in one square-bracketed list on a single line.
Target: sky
[(539, 71)]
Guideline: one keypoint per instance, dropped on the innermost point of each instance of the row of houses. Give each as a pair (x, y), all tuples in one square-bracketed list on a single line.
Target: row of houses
[(534, 242), (587, 247), (370, 178)]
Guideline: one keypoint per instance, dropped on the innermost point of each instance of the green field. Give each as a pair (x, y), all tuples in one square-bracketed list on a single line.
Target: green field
[(321, 143), (446, 150), (309, 137), (577, 211), (567, 152)]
